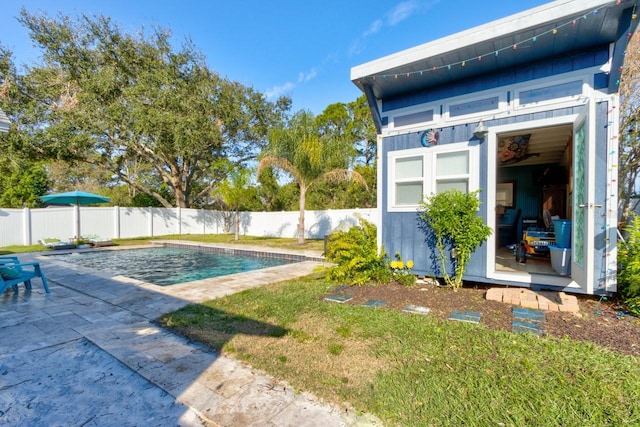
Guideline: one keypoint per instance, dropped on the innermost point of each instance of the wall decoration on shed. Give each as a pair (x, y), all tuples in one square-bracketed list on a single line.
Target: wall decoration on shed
[(429, 138), (513, 149)]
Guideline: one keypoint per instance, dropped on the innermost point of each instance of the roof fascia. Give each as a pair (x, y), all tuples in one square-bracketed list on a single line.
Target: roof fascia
[(531, 18)]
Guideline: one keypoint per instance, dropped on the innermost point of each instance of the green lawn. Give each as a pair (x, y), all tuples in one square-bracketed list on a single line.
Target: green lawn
[(286, 243), (406, 369), (416, 370)]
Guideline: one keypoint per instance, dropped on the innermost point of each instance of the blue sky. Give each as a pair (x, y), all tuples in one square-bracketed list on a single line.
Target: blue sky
[(304, 49)]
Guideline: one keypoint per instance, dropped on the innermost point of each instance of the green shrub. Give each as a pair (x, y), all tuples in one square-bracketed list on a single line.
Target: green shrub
[(355, 253), (629, 267), (452, 217)]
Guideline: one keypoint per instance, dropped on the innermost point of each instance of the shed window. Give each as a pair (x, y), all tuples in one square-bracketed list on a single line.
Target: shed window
[(452, 171), (417, 173), (409, 180)]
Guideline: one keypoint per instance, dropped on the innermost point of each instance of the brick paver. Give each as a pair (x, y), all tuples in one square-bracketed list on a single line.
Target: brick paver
[(541, 300)]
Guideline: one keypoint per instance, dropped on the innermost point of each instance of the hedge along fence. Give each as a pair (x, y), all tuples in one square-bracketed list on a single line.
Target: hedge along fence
[(26, 226)]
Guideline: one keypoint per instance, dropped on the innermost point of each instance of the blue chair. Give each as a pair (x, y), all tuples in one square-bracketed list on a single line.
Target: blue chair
[(13, 272)]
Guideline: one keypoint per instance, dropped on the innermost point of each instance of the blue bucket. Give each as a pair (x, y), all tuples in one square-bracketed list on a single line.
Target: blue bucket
[(562, 231)]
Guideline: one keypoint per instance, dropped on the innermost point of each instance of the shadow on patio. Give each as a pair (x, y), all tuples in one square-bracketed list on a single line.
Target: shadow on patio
[(90, 352)]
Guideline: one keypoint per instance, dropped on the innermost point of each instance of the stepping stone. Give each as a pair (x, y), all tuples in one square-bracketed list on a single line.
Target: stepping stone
[(338, 298), (521, 326), (528, 314), (416, 309), (465, 316), (374, 303)]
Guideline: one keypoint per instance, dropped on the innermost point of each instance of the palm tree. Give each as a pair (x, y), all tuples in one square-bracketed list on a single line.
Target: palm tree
[(308, 156)]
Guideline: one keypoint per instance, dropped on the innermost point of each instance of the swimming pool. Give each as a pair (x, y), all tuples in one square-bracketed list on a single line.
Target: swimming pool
[(166, 266)]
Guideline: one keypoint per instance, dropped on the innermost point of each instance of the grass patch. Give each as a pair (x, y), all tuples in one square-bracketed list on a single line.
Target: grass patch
[(272, 242), (8, 250), (416, 370)]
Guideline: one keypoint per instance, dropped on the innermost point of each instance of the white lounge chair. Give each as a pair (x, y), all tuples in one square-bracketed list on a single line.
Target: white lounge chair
[(56, 244), (97, 241)]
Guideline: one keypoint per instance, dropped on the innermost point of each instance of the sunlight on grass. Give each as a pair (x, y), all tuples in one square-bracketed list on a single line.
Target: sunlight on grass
[(272, 242), (416, 370)]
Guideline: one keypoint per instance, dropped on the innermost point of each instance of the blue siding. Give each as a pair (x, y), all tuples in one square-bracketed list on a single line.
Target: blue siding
[(400, 231), (552, 67)]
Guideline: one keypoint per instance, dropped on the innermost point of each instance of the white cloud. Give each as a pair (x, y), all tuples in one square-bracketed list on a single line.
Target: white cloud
[(305, 77), (393, 17), (356, 47), (373, 28), (277, 91), (401, 12)]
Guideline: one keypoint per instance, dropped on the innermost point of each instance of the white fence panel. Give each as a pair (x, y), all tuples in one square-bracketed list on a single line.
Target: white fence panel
[(26, 226), (199, 221), (53, 222), (12, 227), (165, 221), (270, 224), (135, 222), (98, 221)]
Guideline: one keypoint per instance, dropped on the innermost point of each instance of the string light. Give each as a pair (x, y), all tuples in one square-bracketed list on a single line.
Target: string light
[(496, 53)]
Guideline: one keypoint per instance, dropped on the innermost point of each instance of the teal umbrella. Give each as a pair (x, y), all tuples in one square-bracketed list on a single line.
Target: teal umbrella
[(76, 198)]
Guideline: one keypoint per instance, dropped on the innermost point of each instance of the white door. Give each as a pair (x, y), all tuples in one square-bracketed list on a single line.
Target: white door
[(582, 199)]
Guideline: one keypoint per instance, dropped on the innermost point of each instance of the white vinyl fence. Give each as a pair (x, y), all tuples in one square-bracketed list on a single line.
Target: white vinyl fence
[(26, 226)]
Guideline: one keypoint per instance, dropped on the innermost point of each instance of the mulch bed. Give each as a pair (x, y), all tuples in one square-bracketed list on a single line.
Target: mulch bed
[(599, 321)]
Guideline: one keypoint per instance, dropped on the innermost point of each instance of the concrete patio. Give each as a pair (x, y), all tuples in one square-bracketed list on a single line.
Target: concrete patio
[(90, 354)]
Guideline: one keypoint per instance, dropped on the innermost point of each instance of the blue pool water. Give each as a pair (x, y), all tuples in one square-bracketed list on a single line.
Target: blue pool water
[(168, 266)]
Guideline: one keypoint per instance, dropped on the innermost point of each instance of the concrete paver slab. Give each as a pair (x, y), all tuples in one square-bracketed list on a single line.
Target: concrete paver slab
[(90, 354)]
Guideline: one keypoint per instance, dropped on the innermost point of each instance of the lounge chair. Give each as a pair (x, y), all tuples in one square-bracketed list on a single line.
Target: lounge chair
[(12, 273), (56, 244), (97, 241)]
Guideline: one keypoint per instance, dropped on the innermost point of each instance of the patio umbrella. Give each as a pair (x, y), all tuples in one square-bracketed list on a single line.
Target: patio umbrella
[(75, 198)]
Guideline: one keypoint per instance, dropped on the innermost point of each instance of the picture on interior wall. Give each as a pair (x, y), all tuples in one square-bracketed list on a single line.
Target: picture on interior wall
[(506, 194)]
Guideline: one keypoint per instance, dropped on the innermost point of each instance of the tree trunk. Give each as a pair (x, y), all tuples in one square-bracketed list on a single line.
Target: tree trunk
[(303, 193), (180, 197)]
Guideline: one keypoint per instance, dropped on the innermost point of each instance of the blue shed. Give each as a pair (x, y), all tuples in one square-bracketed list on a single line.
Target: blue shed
[(525, 109)]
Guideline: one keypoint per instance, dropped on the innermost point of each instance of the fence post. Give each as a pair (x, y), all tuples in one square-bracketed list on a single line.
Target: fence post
[(150, 221), (26, 224), (116, 222), (179, 211)]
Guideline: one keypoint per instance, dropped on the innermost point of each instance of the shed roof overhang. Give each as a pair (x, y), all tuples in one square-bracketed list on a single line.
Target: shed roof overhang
[(555, 29)]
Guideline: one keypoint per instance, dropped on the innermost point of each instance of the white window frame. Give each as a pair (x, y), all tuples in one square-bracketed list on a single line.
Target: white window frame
[(429, 178), (546, 82), (411, 110), (478, 96)]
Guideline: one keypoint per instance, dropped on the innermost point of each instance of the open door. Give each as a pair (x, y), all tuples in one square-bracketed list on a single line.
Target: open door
[(583, 196)]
